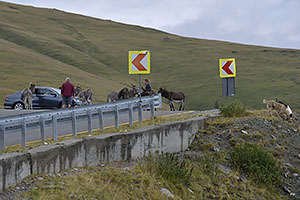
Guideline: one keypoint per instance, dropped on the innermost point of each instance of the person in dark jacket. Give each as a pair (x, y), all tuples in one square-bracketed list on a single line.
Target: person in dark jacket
[(67, 92), (148, 86)]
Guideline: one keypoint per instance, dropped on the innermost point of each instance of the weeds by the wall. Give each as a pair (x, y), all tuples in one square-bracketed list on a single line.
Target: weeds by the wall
[(170, 167), (257, 163), (234, 109)]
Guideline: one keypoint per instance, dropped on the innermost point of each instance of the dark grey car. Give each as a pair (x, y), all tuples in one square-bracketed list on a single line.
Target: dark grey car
[(44, 97)]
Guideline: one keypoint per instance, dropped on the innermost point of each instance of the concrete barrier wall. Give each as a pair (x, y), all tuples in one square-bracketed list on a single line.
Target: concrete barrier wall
[(170, 137)]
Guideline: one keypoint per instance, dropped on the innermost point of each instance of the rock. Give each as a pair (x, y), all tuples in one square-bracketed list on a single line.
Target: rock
[(286, 189), (295, 174), (191, 191), (273, 137), (286, 174), (244, 179), (126, 168), (293, 194), (62, 183), (49, 183), (45, 143), (71, 195), (63, 188), (277, 145), (295, 130), (244, 132), (224, 169), (102, 165), (49, 186), (66, 173), (17, 188), (216, 149), (40, 178), (166, 192)]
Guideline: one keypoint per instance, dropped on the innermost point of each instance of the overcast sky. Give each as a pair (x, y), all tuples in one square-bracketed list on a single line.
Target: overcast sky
[(273, 23)]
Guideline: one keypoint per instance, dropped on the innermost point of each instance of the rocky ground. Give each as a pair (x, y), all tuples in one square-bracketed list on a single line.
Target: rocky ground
[(281, 138)]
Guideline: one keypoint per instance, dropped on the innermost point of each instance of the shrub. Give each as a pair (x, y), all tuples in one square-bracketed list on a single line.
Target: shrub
[(234, 109), (170, 167), (256, 163)]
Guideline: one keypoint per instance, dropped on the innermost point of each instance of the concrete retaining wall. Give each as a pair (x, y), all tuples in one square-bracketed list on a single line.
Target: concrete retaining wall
[(91, 151)]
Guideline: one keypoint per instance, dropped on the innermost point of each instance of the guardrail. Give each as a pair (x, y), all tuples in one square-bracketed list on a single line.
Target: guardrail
[(89, 112)]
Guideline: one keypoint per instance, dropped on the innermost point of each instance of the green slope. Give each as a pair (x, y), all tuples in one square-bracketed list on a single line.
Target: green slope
[(46, 45)]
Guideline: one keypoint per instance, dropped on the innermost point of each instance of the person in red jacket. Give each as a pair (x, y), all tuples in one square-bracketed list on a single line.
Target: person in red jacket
[(67, 91)]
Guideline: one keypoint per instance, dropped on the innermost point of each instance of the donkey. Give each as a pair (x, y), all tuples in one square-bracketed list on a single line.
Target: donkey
[(125, 93), (113, 96), (84, 96), (27, 96), (173, 97), (148, 93)]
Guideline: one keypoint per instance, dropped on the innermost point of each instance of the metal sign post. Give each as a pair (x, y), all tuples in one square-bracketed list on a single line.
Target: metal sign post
[(228, 74), (140, 87), (228, 87), (139, 63)]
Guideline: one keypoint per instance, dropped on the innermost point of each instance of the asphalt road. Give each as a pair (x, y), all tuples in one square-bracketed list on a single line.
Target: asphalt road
[(12, 138)]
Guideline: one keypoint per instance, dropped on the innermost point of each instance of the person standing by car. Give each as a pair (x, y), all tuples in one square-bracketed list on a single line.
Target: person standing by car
[(67, 91)]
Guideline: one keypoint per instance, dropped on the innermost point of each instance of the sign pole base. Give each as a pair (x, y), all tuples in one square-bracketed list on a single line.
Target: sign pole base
[(140, 102)]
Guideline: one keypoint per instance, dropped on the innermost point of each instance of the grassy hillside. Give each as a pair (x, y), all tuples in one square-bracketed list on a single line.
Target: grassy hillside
[(46, 45)]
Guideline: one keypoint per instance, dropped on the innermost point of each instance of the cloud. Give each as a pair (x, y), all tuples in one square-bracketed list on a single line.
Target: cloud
[(261, 22)]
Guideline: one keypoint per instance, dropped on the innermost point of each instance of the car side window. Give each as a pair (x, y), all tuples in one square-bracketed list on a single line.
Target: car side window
[(41, 91), (48, 92)]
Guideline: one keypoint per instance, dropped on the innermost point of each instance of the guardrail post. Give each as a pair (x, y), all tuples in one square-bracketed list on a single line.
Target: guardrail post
[(116, 117), (42, 125), (74, 123), (152, 108), (89, 113), (2, 137), (160, 100), (24, 131), (54, 127), (130, 114), (101, 122), (140, 112)]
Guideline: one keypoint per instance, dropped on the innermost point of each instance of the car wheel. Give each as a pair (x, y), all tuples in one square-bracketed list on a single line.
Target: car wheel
[(18, 106)]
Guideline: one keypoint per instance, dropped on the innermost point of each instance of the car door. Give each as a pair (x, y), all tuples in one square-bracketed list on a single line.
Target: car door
[(48, 98), (36, 103)]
